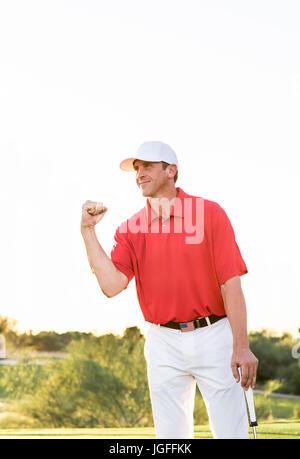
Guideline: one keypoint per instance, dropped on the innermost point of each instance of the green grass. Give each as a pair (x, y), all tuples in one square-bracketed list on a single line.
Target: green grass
[(278, 418), (266, 430), (269, 408)]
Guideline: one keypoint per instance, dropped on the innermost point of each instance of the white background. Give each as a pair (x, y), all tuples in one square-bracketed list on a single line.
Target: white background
[(84, 83)]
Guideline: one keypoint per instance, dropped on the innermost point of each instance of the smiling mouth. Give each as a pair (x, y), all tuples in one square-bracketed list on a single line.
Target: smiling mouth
[(144, 183)]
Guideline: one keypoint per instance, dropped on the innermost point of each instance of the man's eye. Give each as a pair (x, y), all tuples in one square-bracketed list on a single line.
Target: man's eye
[(144, 166)]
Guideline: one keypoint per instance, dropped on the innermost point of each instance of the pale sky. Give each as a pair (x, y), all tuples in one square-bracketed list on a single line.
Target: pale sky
[(83, 83)]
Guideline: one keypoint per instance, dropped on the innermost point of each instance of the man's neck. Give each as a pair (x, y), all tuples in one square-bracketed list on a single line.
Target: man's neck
[(163, 203)]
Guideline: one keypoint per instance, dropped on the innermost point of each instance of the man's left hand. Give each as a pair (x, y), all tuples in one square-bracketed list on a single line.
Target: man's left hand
[(246, 360)]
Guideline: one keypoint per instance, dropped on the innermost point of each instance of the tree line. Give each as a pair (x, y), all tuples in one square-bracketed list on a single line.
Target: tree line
[(102, 381)]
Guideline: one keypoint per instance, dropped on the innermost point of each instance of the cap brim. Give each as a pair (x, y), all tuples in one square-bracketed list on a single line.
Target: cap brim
[(127, 165)]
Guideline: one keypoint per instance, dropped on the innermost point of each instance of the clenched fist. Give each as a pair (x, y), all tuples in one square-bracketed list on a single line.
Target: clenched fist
[(92, 213)]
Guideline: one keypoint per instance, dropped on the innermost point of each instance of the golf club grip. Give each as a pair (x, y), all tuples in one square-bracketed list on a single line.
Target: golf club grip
[(249, 397), (251, 407)]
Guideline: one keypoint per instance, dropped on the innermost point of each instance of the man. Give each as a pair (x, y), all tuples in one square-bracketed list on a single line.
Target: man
[(187, 267)]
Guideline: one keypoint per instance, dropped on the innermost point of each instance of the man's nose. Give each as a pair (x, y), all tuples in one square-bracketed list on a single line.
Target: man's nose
[(140, 174)]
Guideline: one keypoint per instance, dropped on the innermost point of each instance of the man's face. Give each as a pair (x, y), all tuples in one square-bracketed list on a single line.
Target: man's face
[(150, 177)]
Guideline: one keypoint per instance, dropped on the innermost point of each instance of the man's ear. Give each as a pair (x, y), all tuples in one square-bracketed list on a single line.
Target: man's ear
[(171, 169)]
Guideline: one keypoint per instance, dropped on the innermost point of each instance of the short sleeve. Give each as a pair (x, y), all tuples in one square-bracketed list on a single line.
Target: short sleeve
[(227, 255), (121, 255)]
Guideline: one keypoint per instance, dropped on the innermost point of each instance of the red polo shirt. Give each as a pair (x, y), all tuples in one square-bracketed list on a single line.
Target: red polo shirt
[(180, 263)]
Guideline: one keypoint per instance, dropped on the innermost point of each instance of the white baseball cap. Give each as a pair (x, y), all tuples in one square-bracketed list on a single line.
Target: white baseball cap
[(151, 151)]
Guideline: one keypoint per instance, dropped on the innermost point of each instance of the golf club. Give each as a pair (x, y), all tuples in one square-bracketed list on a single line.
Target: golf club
[(249, 398)]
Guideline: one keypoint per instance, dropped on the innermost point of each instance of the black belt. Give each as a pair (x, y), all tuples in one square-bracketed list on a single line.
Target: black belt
[(193, 324)]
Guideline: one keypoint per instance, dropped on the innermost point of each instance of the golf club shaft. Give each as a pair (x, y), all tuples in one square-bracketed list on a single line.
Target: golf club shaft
[(254, 433)]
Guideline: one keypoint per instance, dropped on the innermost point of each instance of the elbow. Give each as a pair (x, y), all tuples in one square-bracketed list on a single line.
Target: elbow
[(114, 288), (109, 294)]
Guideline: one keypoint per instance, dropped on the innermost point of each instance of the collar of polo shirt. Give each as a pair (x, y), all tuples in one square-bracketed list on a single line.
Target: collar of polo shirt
[(176, 210)]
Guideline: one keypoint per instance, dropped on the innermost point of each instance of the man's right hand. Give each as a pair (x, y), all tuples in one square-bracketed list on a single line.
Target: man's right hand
[(92, 213)]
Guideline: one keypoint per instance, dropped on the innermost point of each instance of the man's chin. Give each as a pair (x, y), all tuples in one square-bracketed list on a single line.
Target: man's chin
[(147, 194), (147, 191)]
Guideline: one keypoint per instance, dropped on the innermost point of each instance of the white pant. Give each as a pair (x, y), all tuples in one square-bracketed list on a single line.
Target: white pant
[(176, 361)]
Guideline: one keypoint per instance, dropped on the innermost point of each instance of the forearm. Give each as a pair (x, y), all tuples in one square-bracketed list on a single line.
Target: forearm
[(109, 278), (235, 308)]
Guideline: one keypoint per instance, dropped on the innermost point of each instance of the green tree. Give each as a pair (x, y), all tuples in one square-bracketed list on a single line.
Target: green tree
[(19, 381), (7, 324), (276, 362), (124, 357), (77, 393)]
